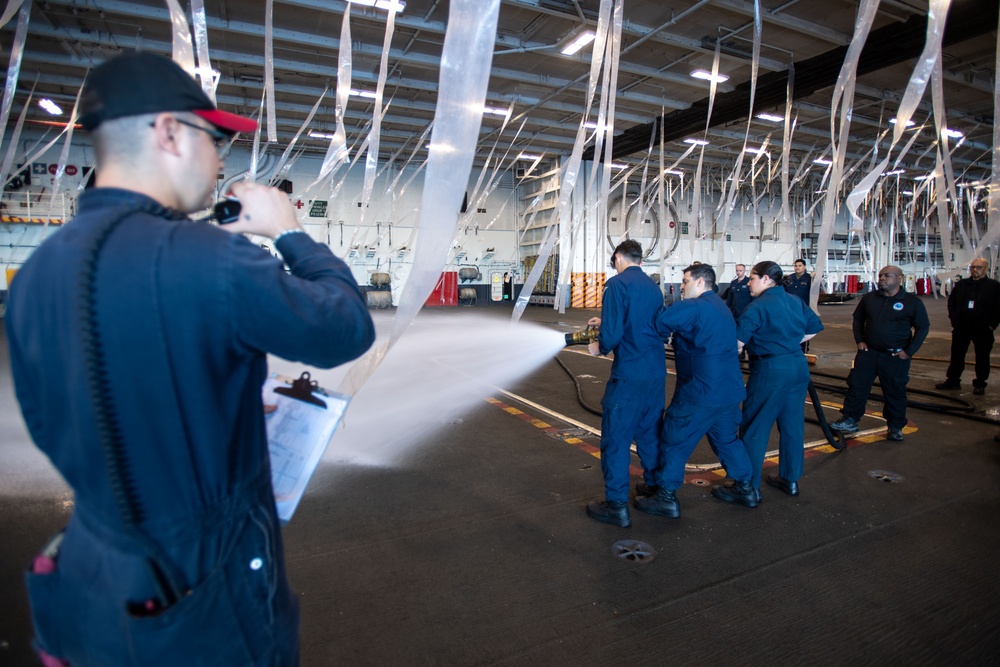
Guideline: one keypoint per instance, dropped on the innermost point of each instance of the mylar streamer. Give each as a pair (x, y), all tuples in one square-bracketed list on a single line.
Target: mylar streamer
[(14, 66), (183, 50), (465, 72), (843, 92)]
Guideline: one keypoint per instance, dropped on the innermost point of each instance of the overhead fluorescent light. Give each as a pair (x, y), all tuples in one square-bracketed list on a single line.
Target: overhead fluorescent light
[(615, 165), (673, 172), (363, 93), (909, 123), (754, 150), (771, 118), (529, 156), (954, 134), (696, 142), (397, 5), (823, 161), (922, 178), (50, 106), (907, 193), (582, 40), (707, 76), (321, 135), (496, 111), (894, 172)]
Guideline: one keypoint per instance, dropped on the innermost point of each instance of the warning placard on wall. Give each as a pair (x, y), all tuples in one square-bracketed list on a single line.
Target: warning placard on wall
[(318, 209)]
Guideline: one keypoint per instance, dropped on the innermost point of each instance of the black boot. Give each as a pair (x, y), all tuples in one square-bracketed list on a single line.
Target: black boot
[(614, 512), (644, 489), (791, 488), (662, 503), (739, 492)]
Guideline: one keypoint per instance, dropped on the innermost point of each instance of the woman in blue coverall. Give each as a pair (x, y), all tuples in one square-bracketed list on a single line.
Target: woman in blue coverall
[(772, 328)]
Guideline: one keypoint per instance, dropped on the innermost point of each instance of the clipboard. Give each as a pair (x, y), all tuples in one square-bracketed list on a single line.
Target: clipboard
[(302, 389), (298, 433)]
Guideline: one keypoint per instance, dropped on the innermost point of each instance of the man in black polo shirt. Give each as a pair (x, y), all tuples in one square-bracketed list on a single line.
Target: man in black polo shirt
[(974, 311), (889, 327)]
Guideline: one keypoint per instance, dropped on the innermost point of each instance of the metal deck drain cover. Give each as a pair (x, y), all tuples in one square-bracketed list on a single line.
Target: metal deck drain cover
[(885, 476), (562, 434), (633, 550), (700, 482)]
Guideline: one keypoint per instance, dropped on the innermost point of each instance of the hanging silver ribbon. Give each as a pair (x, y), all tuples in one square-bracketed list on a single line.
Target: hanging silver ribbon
[(465, 68), (183, 50), (14, 66)]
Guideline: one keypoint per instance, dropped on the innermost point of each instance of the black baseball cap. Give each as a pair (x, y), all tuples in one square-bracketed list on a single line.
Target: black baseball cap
[(134, 84)]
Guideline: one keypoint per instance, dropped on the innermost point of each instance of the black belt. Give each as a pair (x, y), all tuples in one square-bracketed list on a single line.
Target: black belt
[(755, 357), (888, 350)]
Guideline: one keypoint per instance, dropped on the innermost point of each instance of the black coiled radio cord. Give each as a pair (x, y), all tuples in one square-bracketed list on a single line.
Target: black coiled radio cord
[(165, 575)]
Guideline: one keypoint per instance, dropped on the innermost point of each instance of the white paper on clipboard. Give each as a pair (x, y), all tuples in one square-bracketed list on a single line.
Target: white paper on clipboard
[(297, 436)]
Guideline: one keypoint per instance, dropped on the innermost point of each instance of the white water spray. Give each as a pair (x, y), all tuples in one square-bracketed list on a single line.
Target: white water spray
[(441, 370)]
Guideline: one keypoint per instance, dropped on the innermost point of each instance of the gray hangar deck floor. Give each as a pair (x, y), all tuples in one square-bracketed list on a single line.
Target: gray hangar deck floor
[(476, 550)]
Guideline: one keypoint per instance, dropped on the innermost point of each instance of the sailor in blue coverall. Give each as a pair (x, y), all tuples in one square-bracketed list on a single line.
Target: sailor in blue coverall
[(185, 314), (738, 295), (799, 283), (707, 395), (772, 329), (633, 400)]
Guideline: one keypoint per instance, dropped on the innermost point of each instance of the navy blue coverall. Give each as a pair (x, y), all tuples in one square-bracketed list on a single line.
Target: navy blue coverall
[(771, 327), (186, 313), (738, 296), (799, 287), (633, 400), (709, 389), (886, 324)]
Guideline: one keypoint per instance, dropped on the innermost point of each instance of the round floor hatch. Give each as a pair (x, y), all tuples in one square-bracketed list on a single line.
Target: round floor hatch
[(885, 476), (633, 550)]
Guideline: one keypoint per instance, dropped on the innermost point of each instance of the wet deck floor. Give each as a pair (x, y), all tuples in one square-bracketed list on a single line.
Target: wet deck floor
[(475, 550)]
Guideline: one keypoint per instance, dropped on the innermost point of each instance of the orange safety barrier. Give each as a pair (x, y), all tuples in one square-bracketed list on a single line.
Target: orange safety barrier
[(587, 290), (17, 220)]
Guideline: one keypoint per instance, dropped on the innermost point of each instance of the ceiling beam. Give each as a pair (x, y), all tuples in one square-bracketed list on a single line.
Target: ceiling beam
[(889, 45)]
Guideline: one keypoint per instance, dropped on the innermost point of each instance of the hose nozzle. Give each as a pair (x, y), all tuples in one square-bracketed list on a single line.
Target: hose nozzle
[(585, 337)]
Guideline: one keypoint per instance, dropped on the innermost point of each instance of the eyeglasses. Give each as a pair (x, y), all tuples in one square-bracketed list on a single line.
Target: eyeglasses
[(220, 139)]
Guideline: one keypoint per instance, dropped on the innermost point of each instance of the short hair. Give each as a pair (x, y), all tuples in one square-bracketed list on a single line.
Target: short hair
[(800, 261), (976, 259), (769, 269), (700, 270), (630, 250), (121, 139), (895, 270), (743, 265)]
